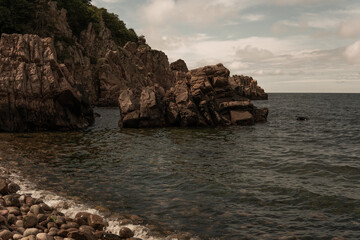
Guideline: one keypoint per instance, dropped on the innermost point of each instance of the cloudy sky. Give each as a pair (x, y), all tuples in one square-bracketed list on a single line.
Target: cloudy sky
[(287, 45)]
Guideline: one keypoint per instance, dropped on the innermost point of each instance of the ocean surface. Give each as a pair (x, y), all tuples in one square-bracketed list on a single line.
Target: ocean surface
[(281, 178)]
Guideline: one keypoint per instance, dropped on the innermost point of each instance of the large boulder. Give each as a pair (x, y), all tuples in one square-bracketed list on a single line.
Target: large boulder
[(36, 92)]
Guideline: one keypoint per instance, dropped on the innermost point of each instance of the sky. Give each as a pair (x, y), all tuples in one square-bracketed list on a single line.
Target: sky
[(287, 45)]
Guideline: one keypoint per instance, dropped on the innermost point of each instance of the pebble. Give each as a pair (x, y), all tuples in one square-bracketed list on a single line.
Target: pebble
[(17, 236), (30, 221), (6, 235), (31, 231), (14, 210), (23, 217), (43, 236), (36, 209)]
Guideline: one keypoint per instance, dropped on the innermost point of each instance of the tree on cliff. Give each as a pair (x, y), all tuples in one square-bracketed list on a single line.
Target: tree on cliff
[(32, 16)]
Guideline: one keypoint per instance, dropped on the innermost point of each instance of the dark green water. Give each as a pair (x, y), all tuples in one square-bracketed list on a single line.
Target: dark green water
[(282, 178)]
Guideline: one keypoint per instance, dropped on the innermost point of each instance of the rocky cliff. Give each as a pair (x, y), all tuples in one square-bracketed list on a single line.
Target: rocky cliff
[(50, 83), (36, 92)]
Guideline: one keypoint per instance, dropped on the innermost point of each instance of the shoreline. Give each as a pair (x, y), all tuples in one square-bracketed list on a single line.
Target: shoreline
[(24, 216), (77, 221)]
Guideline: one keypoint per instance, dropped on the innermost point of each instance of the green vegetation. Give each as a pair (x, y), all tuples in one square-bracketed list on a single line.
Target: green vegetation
[(15, 15), (32, 16)]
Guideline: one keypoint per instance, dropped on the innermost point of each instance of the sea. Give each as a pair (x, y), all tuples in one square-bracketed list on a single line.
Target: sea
[(284, 179)]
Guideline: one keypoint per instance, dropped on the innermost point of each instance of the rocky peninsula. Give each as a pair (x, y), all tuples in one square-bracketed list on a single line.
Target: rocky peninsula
[(50, 79)]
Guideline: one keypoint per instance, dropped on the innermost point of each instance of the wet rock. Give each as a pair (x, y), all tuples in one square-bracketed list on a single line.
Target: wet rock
[(301, 118), (97, 222), (14, 210), (31, 231), (81, 236), (29, 201), (13, 188), (60, 220), (41, 217), (82, 216), (63, 233), (86, 228), (72, 225), (241, 118), (30, 221), (36, 209), (110, 236), (45, 207), (3, 186), (24, 208), (12, 200), (126, 233)]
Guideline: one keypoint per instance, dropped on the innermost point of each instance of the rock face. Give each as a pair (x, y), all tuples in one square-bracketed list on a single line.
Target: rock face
[(135, 66), (201, 97), (248, 87), (37, 93)]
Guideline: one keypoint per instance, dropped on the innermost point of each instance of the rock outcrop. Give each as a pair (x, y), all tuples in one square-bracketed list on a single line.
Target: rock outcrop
[(201, 97), (36, 92), (248, 87), (135, 66)]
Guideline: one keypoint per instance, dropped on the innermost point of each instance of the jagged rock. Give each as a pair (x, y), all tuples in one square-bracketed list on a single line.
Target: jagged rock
[(147, 111), (179, 65), (135, 66), (248, 87), (37, 93), (201, 97)]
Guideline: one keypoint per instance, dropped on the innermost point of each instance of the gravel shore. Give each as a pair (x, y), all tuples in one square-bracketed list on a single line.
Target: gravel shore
[(23, 217)]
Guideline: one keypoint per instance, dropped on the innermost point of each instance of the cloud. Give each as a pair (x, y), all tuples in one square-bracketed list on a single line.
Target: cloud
[(350, 28), (198, 12), (352, 53), (253, 53), (295, 2), (253, 17)]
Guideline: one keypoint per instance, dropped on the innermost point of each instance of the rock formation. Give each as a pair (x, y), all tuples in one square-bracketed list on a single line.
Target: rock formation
[(50, 83), (201, 97), (36, 92), (248, 87), (135, 66)]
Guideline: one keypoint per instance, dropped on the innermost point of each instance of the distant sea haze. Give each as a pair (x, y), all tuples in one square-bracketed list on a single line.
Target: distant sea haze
[(281, 178)]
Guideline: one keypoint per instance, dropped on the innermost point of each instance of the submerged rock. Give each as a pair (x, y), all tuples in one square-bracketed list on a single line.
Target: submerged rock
[(36, 92)]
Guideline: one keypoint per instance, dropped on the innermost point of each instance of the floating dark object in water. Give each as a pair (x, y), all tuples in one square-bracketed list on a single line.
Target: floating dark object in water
[(97, 115), (302, 118)]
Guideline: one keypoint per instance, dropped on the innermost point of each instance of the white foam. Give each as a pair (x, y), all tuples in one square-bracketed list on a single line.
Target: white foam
[(70, 208)]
